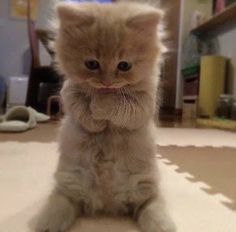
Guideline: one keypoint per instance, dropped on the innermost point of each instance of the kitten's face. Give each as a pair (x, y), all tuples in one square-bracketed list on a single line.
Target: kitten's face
[(107, 46)]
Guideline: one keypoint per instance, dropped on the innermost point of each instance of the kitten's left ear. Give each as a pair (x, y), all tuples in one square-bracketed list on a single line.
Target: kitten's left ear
[(74, 13), (146, 21)]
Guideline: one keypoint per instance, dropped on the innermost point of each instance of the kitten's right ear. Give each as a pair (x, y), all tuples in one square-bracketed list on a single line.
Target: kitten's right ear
[(70, 13), (146, 20)]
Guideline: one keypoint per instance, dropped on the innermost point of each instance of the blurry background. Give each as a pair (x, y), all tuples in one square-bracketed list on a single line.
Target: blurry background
[(196, 29), (196, 137)]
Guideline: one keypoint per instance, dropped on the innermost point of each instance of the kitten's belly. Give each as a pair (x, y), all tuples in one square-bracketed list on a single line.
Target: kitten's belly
[(114, 173), (113, 189), (102, 172)]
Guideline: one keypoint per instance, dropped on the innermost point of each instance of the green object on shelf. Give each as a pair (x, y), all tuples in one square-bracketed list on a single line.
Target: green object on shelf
[(191, 71), (228, 2)]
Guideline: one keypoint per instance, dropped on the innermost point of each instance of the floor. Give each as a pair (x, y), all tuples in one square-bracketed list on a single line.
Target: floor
[(43, 133), (198, 169)]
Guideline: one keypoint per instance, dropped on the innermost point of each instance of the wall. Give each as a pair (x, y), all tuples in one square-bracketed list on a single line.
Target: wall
[(46, 13), (13, 43)]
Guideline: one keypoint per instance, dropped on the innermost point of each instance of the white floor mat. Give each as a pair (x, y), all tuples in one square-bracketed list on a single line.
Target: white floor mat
[(195, 137), (26, 171)]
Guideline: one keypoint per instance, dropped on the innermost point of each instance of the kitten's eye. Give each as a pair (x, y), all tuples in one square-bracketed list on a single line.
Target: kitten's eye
[(124, 66), (92, 64)]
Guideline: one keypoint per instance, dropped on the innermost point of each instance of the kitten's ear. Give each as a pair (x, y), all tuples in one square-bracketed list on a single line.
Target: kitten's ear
[(146, 21), (72, 13)]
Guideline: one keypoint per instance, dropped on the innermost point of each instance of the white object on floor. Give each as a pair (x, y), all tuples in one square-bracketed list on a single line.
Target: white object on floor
[(40, 117), (17, 90), (195, 137), (26, 177), (17, 119)]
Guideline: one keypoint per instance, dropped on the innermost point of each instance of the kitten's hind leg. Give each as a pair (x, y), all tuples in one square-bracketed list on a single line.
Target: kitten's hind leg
[(57, 215), (152, 217)]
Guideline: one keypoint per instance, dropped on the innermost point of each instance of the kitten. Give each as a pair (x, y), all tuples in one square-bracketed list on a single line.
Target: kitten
[(110, 55)]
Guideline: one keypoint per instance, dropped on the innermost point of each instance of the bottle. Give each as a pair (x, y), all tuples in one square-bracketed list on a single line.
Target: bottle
[(224, 106), (233, 110)]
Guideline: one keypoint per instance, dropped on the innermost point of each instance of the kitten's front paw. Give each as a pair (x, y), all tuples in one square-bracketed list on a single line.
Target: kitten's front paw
[(98, 114), (57, 216), (100, 107), (98, 125)]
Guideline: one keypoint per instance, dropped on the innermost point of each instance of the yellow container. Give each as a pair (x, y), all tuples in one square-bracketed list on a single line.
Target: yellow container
[(212, 84)]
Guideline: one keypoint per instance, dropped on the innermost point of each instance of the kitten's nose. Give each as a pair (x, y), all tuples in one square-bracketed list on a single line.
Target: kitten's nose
[(107, 83)]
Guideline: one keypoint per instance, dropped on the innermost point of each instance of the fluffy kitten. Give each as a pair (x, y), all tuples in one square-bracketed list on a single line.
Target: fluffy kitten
[(109, 54)]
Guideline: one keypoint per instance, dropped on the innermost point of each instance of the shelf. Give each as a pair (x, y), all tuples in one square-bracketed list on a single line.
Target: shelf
[(223, 124), (228, 15), (190, 97)]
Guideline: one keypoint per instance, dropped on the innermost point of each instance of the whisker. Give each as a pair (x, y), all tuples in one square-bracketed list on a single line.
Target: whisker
[(130, 98), (126, 105)]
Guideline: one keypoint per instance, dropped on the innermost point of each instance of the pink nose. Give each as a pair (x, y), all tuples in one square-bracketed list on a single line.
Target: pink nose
[(107, 83)]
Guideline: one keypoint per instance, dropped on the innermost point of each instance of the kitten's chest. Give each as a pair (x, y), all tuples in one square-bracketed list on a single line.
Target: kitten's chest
[(108, 160)]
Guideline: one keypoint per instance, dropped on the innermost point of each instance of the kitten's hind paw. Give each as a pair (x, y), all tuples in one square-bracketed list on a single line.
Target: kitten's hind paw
[(57, 216), (154, 218)]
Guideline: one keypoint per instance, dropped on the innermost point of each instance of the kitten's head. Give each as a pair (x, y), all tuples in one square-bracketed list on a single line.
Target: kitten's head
[(108, 45)]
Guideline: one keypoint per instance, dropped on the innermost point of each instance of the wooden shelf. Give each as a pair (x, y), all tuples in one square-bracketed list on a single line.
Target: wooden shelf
[(228, 15)]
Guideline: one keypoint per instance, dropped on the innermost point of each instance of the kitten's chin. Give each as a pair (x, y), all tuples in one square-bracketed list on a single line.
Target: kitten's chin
[(107, 90)]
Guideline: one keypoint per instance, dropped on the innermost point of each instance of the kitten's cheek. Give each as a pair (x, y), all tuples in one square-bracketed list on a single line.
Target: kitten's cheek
[(132, 80)]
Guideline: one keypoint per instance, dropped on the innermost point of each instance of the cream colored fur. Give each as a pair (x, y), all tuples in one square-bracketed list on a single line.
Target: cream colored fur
[(107, 164)]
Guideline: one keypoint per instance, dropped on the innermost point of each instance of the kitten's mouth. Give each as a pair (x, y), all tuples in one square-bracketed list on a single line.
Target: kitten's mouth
[(107, 90)]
